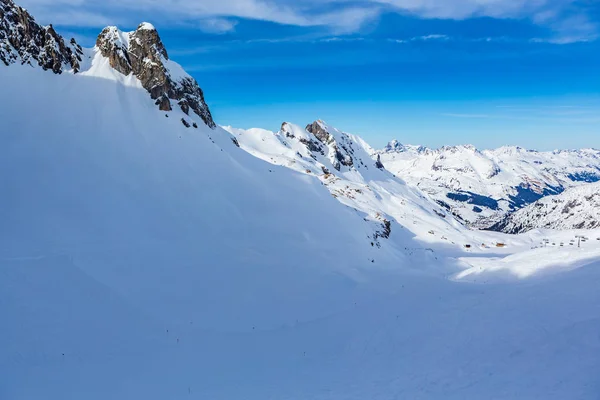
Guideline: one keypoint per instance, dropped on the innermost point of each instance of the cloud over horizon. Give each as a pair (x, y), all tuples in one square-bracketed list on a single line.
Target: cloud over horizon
[(568, 20)]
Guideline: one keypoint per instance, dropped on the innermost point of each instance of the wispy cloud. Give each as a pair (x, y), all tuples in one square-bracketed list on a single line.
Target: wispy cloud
[(425, 38), (575, 114), (457, 115), (217, 25), (569, 19)]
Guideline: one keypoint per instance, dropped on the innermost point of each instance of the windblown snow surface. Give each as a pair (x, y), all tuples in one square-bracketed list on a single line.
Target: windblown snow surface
[(144, 260)]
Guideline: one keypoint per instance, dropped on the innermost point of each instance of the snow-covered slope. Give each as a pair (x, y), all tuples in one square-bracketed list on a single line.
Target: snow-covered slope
[(576, 208), (142, 258), (482, 187), (343, 163)]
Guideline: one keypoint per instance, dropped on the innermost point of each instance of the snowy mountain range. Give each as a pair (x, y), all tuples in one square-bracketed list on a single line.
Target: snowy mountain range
[(147, 252), (343, 164), (575, 208), (482, 187)]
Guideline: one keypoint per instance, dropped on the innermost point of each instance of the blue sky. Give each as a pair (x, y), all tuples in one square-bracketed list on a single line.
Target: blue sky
[(431, 72)]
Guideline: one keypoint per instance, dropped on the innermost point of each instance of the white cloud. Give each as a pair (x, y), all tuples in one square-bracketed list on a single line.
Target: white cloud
[(567, 18), (217, 25)]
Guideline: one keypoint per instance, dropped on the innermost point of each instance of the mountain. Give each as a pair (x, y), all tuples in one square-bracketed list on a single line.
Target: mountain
[(139, 55), (575, 208), (148, 253), (142, 54), (483, 187), (343, 163), (23, 41)]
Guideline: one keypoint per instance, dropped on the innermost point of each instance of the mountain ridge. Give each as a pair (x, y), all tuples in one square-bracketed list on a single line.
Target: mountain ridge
[(575, 208), (142, 259), (481, 187), (23, 40), (139, 54)]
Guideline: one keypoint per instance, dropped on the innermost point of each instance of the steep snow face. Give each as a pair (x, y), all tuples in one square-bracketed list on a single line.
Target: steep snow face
[(576, 208), (132, 196), (482, 187)]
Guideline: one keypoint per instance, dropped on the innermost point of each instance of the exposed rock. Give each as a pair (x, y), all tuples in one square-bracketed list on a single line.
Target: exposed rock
[(386, 231), (312, 145), (378, 163), (317, 128), (235, 141), (142, 53), (23, 40), (185, 123), (163, 103), (285, 127)]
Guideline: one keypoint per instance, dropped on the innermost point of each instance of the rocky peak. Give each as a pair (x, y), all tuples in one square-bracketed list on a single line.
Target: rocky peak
[(287, 130), (143, 54), (25, 41), (394, 146), (319, 130), (459, 148), (340, 150)]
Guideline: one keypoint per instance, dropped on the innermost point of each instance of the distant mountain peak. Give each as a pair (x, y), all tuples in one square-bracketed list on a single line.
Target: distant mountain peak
[(395, 146), (576, 208)]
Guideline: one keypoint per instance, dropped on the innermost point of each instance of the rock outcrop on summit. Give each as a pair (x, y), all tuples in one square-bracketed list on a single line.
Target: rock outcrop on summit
[(140, 53), (24, 41), (340, 150), (143, 54)]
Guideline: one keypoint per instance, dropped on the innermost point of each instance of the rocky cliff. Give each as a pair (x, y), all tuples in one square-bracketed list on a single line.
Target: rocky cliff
[(24, 41), (140, 53), (143, 54)]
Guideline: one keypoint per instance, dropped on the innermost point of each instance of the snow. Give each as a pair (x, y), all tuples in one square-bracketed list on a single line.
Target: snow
[(561, 253), (176, 72), (120, 38), (576, 208), (496, 176), (418, 225), (147, 26), (98, 66), (143, 259)]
